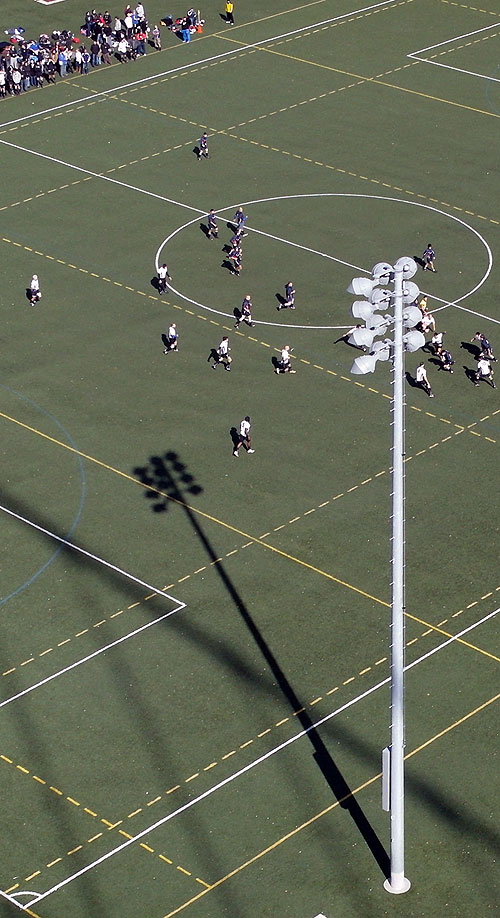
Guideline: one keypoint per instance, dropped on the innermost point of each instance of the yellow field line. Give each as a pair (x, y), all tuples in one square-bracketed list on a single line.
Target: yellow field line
[(367, 79), (439, 630), (195, 510), (329, 809)]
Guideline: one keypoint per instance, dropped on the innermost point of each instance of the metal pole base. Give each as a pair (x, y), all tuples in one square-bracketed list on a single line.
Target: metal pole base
[(397, 884)]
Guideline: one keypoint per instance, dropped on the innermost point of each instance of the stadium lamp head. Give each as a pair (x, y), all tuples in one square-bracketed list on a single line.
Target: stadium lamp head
[(413, 340), (411, 316), (362, 309), (382, 272), (407, 265), (364, 364), (380, 297), (382, 349), (361, 337), (378, 324), (361, 286), (410, 292)]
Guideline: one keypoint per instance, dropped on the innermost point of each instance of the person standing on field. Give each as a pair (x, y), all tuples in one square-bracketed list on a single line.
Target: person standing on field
[(203, 146), (423, 382), (284, 365), (244, 437), (162, 278), (35, 292), (213, 229), (230, 12), (484, 344), (429, 258), (172, 339), (289, 301), (239, 219), (446, 361), (484, 372), (157, 38)]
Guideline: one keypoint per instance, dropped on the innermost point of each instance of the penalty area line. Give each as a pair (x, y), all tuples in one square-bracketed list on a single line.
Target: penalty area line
[(118, 570), (91, 656), (251, 765)]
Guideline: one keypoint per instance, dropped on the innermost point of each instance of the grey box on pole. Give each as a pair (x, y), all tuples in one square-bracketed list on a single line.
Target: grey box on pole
[(386, 778)]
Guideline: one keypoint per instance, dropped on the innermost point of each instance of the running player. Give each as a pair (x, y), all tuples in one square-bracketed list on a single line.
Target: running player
[(162, 278), (245, 312), (240, 219), (172, 339)]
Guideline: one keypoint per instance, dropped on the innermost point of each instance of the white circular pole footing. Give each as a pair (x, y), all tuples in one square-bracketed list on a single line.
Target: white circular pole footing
[(397, 884)]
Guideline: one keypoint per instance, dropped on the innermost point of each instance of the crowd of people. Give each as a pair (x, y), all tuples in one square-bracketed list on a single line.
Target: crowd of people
[(104, 38)]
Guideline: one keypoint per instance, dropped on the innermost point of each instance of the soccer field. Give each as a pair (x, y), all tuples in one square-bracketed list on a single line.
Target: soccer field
[(195, 661)]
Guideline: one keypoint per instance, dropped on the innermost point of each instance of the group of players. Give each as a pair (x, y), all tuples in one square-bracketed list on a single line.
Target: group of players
[(221, 356), (484, 371)]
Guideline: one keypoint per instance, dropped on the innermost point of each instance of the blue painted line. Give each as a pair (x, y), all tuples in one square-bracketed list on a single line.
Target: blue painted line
[(79, 512)]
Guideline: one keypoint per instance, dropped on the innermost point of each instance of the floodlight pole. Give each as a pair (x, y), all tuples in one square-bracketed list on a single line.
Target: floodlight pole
[(397, 883)]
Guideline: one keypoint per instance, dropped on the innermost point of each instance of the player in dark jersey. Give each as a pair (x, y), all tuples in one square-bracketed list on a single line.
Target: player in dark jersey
[(203, 146), (213, 229), (238, 261), (245, 312), (236, 240), (446, 361), (236, 256), (289, 301), (429, 257), (240, 219), (485, 346)]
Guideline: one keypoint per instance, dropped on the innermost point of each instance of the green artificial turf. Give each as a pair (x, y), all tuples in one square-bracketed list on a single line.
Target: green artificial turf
[(196, 711)]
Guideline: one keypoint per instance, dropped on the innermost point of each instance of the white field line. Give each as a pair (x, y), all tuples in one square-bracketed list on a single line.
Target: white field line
[(206, 60), (98, 175), (415, 55), (88, 554), (448, 41), (474, 313), (482, 76), (200, 213), (258, 761), (326, 194), (12, 901), (91, 656), (178, 607)]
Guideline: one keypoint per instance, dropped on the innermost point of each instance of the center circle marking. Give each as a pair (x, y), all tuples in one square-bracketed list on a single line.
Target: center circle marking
[(286, 197)]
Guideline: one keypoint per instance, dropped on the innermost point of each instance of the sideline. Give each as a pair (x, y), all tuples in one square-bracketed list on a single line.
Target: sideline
[(64, 542), (258, 761), (196, 63)]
